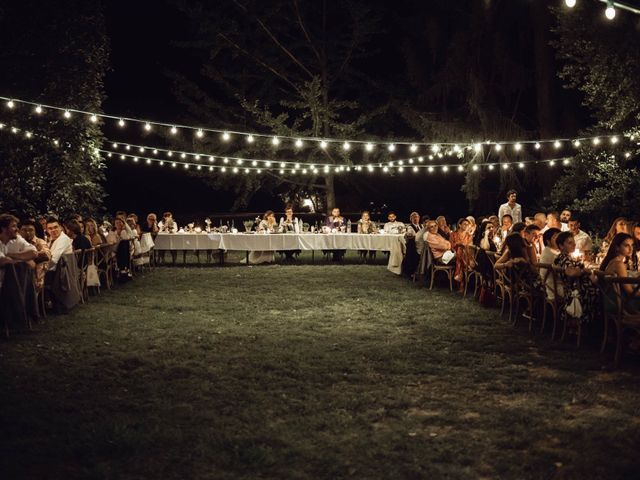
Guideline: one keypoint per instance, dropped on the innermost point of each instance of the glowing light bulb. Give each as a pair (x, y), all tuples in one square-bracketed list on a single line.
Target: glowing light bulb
[(537, 146), (565, 161), (413, 148), (498, 147), (225, 160), (610, 12), (491, 167), (346, 146), (93, 118), (121, 123), (173, 130), (226, 137), (115, 145), (557, 144), (199, 133), (275, 141), (250, 139), (521, 165), (155, 151), (430, 169), (474, 168), (477, 147), (147, 126), (369, 147), (11, 104), (460, 168), (323, 144), (67, 114), (197, 157), (517, 147), (282, 164), (614, 140), (596, 141), (254, 163), (505, 166), (421, 159), (576, 143), (38, 109), (28, 135), (391, 147), (570, 3), (141, 149), (298, 143)]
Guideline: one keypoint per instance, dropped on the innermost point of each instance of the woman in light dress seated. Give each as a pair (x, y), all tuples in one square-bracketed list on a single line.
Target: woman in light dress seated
[(366, 226), (267, 225)]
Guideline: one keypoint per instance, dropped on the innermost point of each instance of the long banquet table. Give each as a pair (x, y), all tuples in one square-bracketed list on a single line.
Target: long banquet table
[(286, 241)]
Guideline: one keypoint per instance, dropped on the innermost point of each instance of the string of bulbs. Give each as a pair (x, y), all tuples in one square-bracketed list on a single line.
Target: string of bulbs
[(610, 10), (433, 148), (237, 165)]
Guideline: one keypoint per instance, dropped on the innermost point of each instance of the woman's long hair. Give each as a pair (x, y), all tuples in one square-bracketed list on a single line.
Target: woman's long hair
[(612, 231), (613, 249), (515, 243)]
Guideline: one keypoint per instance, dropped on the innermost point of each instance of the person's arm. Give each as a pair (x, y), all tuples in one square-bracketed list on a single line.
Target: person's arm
[(503, 261), (4, 260), (501, 212), (27, 251)]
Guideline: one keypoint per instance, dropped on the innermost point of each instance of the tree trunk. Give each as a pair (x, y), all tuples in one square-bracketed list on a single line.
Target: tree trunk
[(330, 195)]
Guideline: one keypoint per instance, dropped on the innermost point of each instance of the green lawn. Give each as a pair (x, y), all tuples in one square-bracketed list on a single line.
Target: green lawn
[(308, 371)]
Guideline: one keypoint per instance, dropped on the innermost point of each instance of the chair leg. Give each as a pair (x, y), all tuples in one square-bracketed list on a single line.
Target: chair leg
[(466, 284), (433, 274), (450, 274)]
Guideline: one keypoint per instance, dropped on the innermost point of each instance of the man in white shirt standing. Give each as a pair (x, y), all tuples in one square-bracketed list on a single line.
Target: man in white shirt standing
[(511, 207), (13, 248), (59, 242), (583, 240)]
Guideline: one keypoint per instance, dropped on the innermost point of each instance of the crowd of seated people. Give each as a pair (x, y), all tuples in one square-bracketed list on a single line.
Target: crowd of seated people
[(40, 244)]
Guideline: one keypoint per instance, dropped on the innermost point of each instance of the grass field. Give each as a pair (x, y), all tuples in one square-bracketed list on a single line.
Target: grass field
[(307, 372)]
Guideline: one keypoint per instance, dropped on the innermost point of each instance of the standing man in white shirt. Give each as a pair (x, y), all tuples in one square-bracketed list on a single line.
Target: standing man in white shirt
[(511, 207), (59, 242)]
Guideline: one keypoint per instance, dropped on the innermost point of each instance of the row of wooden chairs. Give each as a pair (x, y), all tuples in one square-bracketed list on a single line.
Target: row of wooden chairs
[(519, 299)]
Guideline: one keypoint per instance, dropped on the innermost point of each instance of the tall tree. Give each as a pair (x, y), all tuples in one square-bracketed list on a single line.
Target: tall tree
[(54, 53), (286, 67), (600, 60)]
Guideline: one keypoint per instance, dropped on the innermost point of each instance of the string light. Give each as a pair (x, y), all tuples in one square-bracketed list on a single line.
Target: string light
[(576, 143), (11, 104), (38, 109), (200, 133), (147, 126), (614, 140), (323, 144), (251, 139), (121, 123), (498, 147), (557, 144), (226, 136), (570, 3), (391, 147), (369, 147), (275, 141), (610, 11), (413, 148), (67, 114), (537, 146), (596, 141), (93, 119), (299, 143)]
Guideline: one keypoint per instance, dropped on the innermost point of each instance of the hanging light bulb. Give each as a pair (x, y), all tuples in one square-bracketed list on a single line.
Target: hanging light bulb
[(67, 114), (491, 166), (498, 147), (537, 146), (505, 166), (474, 168), (521, 165), (596, 141), (557, 144), (413, 148), (275, 141), (121, 123), (226, 137), (610, 11), (346, 146), (614, 140), (250, 139), (517, 147), (369, 147), (430, 169), (570, 3), (38, 109), (11, 104), (147, 126), (323, 144), (576, 143), (298, 143), (391, 147), (93, 118), (199, 133), (460, 168)]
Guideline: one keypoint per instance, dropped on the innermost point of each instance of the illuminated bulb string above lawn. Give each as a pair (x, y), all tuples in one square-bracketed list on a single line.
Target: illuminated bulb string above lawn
[(202, 162), (610, 10), (299, 143)]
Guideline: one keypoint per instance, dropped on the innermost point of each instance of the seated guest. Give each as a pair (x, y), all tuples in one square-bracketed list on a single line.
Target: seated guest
[(619, 225), (548, 256), (531, 235), (540, 219), (268, 223), (484, 239), (507, 224), (366, 225), (41, 228), (635, 260), (443, 227), (565, 216), (13, 248), (575, 278), (488, 242), (618, 260), (59, 242), (529, 221), (472, 225), (123, 234), (168, 224), (460, 240), (335, 220), (553, 221), (496, 222), (393, 226), (414, 222), (516, 256), (132, 221), (420, 235), (92, 232), (436, 242), (150, 225), (518, 228), (583, 240), (78, 240), (289, 223), (28, 232)]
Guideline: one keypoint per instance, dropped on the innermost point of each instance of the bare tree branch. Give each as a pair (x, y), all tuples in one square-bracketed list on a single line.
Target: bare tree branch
[(305, 31)]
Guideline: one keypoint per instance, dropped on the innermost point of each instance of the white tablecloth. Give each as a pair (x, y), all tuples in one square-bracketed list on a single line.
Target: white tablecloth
[(285, 241)]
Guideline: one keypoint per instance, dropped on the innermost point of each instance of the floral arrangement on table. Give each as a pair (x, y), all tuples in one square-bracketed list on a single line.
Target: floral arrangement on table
[(248, 225), (207, 222)]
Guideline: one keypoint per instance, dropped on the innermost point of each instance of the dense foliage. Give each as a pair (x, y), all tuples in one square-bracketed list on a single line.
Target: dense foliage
[(54, 53)]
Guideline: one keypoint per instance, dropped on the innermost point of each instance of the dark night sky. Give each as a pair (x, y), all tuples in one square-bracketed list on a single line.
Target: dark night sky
[(141, 35)]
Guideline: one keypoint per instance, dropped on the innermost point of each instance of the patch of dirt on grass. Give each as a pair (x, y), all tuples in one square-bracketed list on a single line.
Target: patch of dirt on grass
[(515, 400), (421, 413), (470, 416), (543, 372)]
